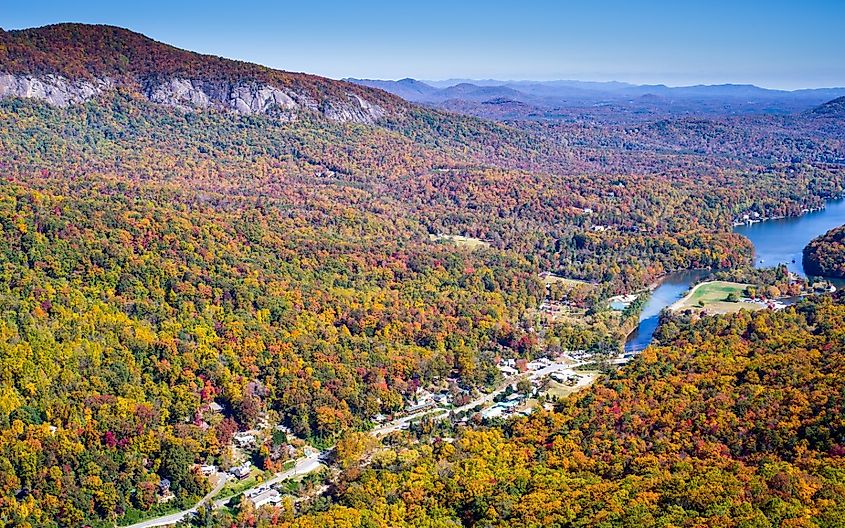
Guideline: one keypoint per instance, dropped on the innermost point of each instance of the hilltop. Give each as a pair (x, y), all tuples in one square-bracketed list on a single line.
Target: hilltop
[(824, 256), (834, 108), (70, 63)]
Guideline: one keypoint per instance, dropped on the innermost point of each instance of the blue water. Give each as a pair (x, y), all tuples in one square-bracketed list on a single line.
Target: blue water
[(672, 288), (775, 242), (782, 241)]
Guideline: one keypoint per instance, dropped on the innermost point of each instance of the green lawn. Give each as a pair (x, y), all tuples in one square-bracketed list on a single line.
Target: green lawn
[(713, 295), (234, 487)]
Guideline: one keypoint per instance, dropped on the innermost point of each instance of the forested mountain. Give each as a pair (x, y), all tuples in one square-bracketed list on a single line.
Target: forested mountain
[(70, 63), (825, 256), (181, 230), (833, 109), (731, 421)]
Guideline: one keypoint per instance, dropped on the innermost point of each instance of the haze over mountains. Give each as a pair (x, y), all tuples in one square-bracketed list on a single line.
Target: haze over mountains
[(567, 99)]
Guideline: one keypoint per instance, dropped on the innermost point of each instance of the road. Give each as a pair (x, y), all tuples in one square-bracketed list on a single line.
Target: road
[(174, 518), (439, 413), (303, 466), (311, 462)]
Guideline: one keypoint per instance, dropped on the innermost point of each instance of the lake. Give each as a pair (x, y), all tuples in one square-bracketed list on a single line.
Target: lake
[(782, 241), (775, 242)]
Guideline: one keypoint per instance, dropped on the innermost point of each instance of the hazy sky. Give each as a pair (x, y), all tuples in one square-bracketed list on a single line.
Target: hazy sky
[(772, 43)]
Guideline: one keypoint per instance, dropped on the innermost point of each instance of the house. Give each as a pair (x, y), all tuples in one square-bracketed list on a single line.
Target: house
[(558, 377), (419, 407), (215, 407), (266, 497), (244, 439), (282, 450), (241, 471), (441, 398), (493, 412), (208, 469), (507, 371), (164, 493), (535, 365)]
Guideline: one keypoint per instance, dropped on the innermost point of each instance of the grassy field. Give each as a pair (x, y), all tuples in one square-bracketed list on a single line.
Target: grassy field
[(549, 278), (560, 390), (469, 242), (712, 298)]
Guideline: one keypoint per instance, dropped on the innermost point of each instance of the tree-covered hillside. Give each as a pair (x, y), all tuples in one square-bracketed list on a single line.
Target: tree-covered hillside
[(825, 256), (159, 260), (733, 421)]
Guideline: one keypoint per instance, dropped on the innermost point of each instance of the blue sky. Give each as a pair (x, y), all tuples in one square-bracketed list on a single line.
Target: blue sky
[(774, 43)]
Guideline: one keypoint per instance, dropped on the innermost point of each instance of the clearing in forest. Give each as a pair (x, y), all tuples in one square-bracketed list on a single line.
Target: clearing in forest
[(471, 243), (551, 278), (712, 297)]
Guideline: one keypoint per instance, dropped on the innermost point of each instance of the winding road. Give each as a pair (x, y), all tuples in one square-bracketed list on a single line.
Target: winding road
[(312, 462), (303, 466), (174, 518)]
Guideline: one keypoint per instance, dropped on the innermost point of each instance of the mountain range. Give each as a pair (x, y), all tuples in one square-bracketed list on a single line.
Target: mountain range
[(70, 63), (534, 99)]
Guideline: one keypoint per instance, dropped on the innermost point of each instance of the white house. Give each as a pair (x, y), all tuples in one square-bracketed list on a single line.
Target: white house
[(270, 496), (244, 439), (242, 471)]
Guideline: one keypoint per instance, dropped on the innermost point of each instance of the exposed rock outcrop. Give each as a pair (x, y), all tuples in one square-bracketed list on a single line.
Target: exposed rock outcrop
[(355, 109), (245, 98), (54, 89)]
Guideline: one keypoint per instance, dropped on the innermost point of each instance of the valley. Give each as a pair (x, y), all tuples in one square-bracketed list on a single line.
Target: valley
[(238, 296)]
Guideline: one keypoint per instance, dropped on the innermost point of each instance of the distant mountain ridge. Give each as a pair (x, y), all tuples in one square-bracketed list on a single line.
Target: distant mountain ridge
[(547, 95), (610, 87), (69, 63)]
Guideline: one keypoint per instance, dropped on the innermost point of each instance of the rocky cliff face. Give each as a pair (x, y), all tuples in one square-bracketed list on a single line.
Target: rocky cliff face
[(54, 89), (244, 98)]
